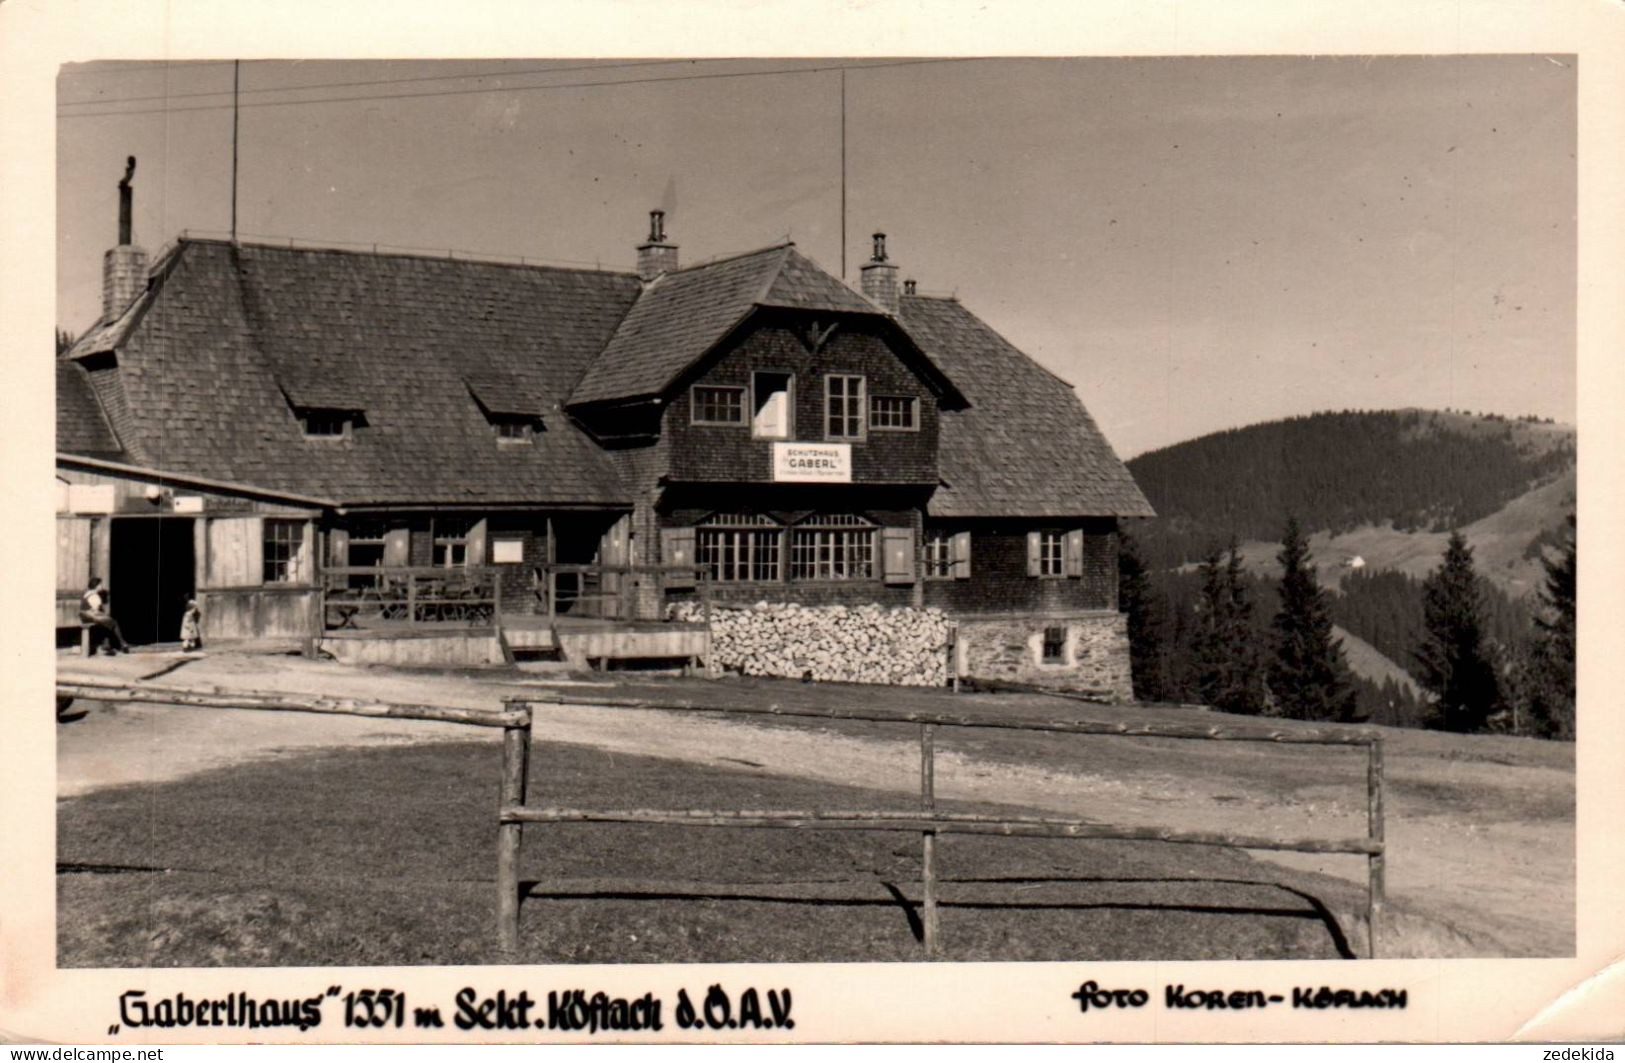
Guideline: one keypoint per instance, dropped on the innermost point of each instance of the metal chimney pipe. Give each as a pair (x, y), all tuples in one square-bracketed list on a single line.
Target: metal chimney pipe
[(124, 197)]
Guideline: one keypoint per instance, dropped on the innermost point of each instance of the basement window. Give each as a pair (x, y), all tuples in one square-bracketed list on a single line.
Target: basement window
[(1053, 648)]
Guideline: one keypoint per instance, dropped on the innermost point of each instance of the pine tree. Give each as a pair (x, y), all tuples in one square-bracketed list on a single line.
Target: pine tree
[(1551, 662), (1308, 674), (1137, 598), (1229, 674), (64, 341), (1454, 662)]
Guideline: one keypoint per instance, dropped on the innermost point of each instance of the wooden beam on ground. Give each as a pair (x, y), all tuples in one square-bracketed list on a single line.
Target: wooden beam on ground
[(153, 695)]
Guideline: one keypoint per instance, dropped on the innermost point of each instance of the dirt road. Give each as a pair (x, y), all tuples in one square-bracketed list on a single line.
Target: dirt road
[(1464, 861)]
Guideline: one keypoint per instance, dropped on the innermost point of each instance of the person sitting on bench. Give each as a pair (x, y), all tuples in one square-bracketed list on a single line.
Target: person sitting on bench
[(93, 612)]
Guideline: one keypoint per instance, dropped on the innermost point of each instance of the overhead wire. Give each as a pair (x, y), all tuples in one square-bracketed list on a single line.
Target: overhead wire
[(779, 72), (375, 81)]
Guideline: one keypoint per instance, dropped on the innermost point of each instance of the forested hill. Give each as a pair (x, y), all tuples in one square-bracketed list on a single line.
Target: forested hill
[(1418, 470)]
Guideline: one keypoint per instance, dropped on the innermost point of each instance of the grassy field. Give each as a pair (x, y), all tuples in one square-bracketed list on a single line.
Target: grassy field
[(386, 856)]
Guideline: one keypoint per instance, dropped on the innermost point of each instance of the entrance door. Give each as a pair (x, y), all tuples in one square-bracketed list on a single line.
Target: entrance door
[(150, 575)]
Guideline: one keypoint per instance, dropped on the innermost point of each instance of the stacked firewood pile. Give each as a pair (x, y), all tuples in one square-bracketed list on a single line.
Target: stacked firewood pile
[(829, 643)]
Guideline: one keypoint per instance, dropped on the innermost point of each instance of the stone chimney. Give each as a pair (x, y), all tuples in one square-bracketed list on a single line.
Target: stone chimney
[(124, 268), (655, 255), (880, 278)]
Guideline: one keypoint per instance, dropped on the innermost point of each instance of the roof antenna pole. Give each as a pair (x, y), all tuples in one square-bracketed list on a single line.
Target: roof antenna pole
[(843, 173), (236, 72)]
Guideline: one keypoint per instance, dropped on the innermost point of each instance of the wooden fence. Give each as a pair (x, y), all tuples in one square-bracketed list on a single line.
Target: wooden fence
[(929, 821), (516, 719), (401, 595), (611, 591)]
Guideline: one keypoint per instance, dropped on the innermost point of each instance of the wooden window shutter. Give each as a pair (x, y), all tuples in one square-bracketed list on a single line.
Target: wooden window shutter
[(1033, 547), (677, 548), (899, 554), (398, 547), (236, 552), (338, 546), (961, 555), (477, 554), (1074, 553)]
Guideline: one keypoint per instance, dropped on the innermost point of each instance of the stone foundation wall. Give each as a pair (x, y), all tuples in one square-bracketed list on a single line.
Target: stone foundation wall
[(1094, 658)]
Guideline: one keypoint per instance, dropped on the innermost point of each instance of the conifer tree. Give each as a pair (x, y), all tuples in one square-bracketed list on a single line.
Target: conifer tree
[(1137, 598), (1553, 652), (1308, 674), (1453, 659), (1229, 673)]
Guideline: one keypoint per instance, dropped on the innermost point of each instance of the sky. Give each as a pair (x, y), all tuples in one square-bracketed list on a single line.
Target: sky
[(1194, 243)]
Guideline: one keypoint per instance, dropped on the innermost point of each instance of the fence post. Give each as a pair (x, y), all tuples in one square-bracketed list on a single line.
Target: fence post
[(515, 769), (928, 873), (1374, 828)]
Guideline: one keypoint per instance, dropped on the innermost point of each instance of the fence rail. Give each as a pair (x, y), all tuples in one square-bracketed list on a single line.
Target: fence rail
[(609, 591), (928, 821), (517, 718), (353, 595)]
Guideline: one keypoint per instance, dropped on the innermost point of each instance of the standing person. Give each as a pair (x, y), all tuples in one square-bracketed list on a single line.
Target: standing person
[(191, 626), (93, 611)]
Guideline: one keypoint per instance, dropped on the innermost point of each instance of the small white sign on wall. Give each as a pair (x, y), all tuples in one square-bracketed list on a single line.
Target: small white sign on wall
[(812, 463), (188, 504), (507, 551), (91, 498)]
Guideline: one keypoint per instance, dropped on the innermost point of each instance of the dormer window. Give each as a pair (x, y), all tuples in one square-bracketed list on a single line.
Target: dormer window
[(324, 423), (511, 429)]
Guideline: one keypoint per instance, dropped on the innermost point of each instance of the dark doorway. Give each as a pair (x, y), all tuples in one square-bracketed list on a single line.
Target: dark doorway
[(577, 541), (150, 576)]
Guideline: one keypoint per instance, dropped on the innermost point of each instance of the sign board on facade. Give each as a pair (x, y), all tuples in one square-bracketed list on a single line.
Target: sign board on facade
[(188, 504), (812, 463), (91, 498), (507, 551)]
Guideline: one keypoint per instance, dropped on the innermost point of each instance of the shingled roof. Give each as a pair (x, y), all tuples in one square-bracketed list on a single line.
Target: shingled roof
[(1025, 446), (232, 338), (684, 314), (81, 426)]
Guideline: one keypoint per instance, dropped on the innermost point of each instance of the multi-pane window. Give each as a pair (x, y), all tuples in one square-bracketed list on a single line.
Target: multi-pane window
[(283, 541), (843, 406), (838, 546), (739, 548), (718, 405), (365, 550), (451, 541), (939, 554), (892, 412), (1051, 553), (326, 424), (512, 429), (1054, 645)]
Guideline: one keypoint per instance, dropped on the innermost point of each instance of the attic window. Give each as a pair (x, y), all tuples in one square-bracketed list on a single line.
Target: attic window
[(512, 429), (718, 405), (322, 423)]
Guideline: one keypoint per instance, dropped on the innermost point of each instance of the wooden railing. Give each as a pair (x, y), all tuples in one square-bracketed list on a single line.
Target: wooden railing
[(362, 596), (928, 820), (610, 591), (517, 718)]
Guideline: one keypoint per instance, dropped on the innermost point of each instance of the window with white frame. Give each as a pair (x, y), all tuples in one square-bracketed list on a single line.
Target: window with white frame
[(939, 554), (893, 413), (739, 547), (844, 411), (835, 546), (1051, 553), (284, 543), (717, 405), (451, 536)]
